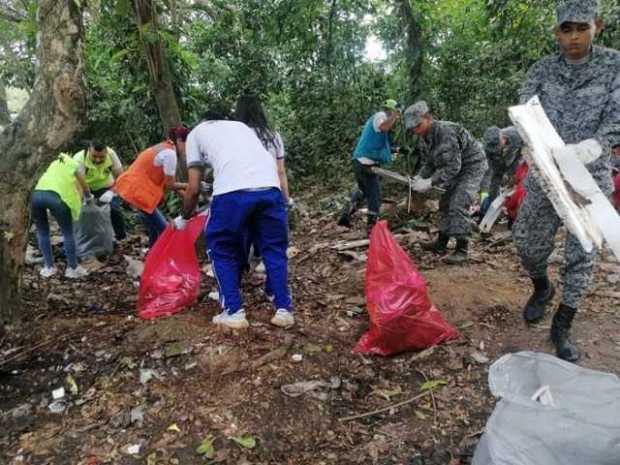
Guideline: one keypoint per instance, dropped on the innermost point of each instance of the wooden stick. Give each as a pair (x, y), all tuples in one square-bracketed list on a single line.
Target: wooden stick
[(385, 409)]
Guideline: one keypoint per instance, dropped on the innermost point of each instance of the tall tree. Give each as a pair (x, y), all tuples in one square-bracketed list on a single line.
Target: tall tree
[(157, 62), (411, 20), (5, 117), (48, 122)]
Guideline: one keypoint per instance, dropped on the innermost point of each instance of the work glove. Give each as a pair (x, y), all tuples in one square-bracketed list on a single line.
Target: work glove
[(107, 196), (421, 185), (205, 187), (585, 151), (179, 223)]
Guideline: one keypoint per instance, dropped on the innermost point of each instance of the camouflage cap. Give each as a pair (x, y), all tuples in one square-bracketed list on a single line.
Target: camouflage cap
[(492, 139), (414, 114), (577, 11)]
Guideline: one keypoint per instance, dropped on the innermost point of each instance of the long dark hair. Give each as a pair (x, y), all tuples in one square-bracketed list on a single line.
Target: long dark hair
[(250, 112)]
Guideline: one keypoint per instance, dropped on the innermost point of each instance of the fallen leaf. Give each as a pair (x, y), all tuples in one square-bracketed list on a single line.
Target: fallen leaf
[(433, 384), (174, 427), (247, 442), (206, 447)]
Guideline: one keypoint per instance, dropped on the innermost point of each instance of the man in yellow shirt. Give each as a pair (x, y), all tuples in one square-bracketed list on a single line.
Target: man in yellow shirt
[(100, 166)]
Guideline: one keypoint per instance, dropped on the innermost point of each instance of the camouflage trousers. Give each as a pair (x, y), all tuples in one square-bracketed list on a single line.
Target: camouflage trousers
[(534, 235), (454, 204)]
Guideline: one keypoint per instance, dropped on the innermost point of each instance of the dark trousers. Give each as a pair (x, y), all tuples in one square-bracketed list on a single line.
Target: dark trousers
[(116, 214), (369, 189)]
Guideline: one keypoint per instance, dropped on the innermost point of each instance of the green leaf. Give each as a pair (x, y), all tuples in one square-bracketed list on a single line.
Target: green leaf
[(206, 447), (247, 442), (433, 384)]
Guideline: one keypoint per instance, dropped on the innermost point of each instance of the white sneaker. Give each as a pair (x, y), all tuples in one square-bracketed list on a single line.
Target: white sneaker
[(235, 321), (48, 271), (76, 273), (283, 318)]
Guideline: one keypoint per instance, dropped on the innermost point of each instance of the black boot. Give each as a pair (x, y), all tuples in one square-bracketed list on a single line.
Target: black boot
[(345, 217), (459, 256), (562, 321), (371, 221), (544, 291), (439, 247)]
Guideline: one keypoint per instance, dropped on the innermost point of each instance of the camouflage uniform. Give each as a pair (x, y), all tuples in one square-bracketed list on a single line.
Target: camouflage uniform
[(582, 101), (503, 161), (457, 164)]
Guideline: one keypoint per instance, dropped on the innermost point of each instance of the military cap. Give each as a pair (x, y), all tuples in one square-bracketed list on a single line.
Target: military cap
[(414, 114), (580, 11), (492, 139)]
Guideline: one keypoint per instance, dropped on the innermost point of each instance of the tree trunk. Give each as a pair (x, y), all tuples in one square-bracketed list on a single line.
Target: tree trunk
[(5, 117), (413, 32), (49, 120), (157, 62)]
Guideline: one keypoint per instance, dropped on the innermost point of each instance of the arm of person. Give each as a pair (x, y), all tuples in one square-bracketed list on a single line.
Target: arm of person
[(389, 122), (190, 199), (283, 179), (81, 181), (608, 131), (117, 165)]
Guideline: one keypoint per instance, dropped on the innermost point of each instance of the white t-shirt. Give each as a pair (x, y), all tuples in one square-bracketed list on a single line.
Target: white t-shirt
[(275, 147), (236, 154), (168, 159)]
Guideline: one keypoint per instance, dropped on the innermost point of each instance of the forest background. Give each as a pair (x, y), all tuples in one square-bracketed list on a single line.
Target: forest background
[(309, 60)]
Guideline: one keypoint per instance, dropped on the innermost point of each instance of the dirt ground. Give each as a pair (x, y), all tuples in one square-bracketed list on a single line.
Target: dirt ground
[(178, 391)]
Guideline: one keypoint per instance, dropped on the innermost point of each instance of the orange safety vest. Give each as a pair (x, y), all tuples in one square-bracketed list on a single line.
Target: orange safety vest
[(142, 185)]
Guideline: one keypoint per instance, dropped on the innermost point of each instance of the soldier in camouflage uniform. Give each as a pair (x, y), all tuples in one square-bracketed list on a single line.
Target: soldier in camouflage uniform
[(452, 160), (503, 150), (579, 89)]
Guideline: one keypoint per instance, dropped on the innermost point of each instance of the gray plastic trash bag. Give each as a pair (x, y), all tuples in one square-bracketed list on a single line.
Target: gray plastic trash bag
[(94, 234), (574, 421)]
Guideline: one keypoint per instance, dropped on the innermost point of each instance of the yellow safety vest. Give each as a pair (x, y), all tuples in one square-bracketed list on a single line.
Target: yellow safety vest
[(98, 176), (60, 178)]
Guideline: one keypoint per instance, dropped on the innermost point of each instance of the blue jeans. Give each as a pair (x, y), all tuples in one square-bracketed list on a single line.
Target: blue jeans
[(235, 217), (155, 224), (42, 201)]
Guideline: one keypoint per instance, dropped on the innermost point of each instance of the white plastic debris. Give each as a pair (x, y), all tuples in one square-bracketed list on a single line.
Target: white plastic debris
[(57, 406), (297, 358), (214, 295), (133, 449), (135, 268), (58, 393), (147, 374)]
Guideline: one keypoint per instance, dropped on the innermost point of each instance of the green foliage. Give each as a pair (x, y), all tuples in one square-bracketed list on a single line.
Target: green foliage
[(308, 62)]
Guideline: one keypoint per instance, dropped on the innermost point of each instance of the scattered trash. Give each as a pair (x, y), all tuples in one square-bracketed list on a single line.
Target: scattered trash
[(311, 388), (33, 256), (58, 393), (133, 449), (214, 295), (57, 406), (208, 270), (479, 357), (135, 268), (146, 374), (137, 416), (550, 412), (297, 358)]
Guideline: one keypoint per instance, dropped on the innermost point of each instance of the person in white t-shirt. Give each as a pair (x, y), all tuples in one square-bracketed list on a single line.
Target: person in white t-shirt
[(250, 112), (247, 202)]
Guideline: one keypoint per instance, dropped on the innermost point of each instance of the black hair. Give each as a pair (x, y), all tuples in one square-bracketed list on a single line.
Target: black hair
[(96, 145), (214, 114), (250, 112)]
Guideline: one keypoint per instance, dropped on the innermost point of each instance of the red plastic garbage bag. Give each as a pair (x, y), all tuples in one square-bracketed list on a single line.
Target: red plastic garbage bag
[(513, 202), (402, 316), (171, 277)]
